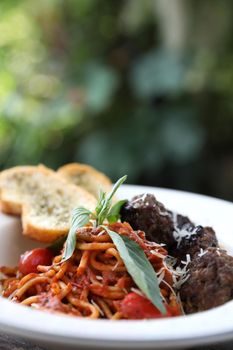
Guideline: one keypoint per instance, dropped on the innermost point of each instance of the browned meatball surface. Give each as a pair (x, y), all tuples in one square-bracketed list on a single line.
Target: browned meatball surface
[(197, 239), (145, 213), (161, 225), (210, 283)]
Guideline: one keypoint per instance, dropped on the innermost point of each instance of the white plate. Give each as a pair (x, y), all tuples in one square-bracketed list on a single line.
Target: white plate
[(70, 332)]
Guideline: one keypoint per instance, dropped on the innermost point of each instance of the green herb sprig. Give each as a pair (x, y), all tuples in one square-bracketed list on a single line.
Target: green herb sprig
[(104, 209), (81, 216)]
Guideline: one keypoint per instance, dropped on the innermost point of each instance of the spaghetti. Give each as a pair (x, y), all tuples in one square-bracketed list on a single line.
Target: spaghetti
[(94, 282)]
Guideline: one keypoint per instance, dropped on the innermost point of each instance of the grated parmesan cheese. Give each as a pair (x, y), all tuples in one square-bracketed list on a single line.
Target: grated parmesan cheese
[(185, 232), (179, 274), (161, 276), (156, 253), (101, 233), (202, 252), (116, 266), (135, 201), (97, 307), (99, 278), (137, 291)]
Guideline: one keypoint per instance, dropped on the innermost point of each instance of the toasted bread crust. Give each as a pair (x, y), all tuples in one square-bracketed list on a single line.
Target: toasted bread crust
[(10, 208), (43, 198), (40, 234), (95, 180)]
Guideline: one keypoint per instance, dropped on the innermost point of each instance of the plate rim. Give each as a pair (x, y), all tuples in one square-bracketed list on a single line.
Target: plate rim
[(22, 314)]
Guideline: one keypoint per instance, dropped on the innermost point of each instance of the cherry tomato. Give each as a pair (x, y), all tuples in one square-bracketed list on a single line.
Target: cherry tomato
[(136, 307), (29, 261)]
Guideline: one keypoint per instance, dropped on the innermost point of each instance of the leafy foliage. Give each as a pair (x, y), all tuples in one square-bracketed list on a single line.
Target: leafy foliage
[(135, 88)]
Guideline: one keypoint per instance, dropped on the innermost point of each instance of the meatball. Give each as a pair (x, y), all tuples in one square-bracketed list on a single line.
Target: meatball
[(145, 213), (191, 240), (161, 225), (210, 283), (181, 222)]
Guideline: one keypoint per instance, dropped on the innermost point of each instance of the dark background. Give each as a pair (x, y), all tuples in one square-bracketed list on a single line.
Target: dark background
[(137, 87)]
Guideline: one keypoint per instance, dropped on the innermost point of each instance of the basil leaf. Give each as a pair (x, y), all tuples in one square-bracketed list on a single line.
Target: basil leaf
[(114, 213), (105, 201), (116, 186), (139, 267), (100, 203), (80, 217)]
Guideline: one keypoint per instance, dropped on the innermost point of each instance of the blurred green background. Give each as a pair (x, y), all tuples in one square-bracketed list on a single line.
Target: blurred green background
[(137, 87)]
